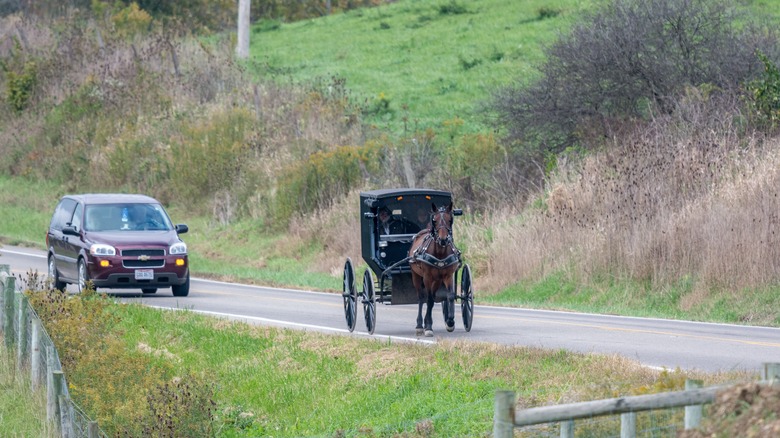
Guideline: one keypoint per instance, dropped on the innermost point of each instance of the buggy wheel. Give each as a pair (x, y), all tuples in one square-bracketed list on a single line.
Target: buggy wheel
[(466, 298), (349, 294), (369, 301)]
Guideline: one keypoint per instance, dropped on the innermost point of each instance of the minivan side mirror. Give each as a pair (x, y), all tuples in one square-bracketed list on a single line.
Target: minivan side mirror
[(70, 230), (181, 228)]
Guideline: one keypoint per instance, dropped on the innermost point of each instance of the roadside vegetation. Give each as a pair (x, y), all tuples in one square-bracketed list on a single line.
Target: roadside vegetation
[(22, 411), (248, 380), (640, 181)]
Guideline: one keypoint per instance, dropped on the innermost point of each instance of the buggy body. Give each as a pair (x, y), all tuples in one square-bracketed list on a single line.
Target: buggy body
[(388, 279)]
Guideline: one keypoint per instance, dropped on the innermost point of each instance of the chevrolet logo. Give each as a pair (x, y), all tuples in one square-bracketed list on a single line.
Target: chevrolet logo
[(143, 258)]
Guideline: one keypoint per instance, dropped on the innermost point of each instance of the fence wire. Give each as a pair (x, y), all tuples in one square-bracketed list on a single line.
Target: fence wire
[(77, 422)]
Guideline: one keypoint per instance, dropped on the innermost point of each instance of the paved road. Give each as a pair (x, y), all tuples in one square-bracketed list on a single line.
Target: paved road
[(653, 342)]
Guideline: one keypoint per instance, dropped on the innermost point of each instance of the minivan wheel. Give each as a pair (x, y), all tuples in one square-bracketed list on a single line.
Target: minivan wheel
[(181, 290), (149, 290), (54, 276), (83, 276)]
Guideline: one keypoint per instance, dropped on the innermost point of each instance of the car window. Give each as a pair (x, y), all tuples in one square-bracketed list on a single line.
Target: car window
[(62, 214), (126, 217), (76, 219)]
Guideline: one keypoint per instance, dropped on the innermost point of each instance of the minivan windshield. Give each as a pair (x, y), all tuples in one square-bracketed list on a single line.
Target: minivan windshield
[(126, 217)]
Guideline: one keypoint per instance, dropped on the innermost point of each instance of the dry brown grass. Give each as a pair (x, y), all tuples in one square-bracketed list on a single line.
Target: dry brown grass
[(684, 196), (336, 228)]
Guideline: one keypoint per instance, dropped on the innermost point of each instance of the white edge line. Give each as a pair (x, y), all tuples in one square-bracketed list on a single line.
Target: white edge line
[(287, 324)]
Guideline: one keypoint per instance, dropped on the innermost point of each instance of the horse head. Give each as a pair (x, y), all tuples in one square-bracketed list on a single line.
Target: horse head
[(441, 219)]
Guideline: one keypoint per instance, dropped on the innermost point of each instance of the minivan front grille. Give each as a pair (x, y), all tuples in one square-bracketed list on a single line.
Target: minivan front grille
[(143, 252), (135, 264)]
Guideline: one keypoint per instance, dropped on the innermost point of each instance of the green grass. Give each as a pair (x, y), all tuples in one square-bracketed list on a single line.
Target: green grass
[(630, 298), (424, 61), (22, 411), (429, 63), (295, 383)]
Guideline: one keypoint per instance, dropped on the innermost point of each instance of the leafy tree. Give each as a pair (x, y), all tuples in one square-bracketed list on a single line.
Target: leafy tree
[(764, 95), (626, 59)]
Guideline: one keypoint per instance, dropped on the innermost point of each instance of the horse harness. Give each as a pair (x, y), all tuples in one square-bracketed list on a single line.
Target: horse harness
[(421, 253)]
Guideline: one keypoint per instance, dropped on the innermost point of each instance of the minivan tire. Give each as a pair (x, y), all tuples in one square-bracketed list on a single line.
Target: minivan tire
[(83, 275), (182, 290), (54, 276)]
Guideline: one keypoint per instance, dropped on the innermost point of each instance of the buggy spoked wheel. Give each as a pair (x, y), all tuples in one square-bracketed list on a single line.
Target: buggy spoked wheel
[(369, 301), (466, 298), (349, 294)]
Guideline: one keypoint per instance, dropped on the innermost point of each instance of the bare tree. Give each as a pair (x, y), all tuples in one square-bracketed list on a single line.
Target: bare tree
[(627, 59)]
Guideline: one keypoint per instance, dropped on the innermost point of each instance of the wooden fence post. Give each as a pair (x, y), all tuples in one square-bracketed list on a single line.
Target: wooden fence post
[(5, 272), (504, 415), (35, 354), (66, 420), (57, 377), (567, 429), (21, 357), (51, 400), (8, 311), (770, 372), (628, 425), (693, 413), (92, 430)]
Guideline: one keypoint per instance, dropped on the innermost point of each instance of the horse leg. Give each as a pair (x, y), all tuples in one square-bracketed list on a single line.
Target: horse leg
[(428, 313), (417, 281), (450, 303)]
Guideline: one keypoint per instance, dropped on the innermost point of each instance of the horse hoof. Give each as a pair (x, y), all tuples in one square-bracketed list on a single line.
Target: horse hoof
[(451, 328), (429, 333), (419, 332)]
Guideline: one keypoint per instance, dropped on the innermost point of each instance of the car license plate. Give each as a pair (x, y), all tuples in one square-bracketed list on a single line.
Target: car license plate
[(144, 274)]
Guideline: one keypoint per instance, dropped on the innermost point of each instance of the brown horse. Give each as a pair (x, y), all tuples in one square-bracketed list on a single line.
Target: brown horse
[(434, 261)]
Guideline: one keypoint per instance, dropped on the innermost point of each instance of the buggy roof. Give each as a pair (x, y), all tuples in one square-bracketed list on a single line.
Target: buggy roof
[(391, 193)]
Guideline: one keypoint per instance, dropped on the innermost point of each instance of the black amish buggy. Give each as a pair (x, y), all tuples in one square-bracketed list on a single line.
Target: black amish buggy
[(391, 221)]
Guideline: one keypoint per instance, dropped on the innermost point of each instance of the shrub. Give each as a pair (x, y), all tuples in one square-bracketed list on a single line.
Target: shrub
[(325, 176), (452, 8), (129, 393), (19, 86), (546, 12), (131, 21), (209, 154), (20, 78), (764, 95), (625, 59)]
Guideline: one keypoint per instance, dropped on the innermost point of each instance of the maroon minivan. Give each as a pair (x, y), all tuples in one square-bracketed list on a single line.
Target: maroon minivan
[(117, 241)]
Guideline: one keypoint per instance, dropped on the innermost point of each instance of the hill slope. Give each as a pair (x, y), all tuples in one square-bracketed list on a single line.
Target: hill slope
[(437, 58)]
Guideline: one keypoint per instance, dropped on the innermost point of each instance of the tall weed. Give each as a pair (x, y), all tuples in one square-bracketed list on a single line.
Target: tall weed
[(129, 392), (685, 195)]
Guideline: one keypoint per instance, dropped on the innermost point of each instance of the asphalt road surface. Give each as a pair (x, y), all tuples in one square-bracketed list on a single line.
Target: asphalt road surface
[(653, 342)]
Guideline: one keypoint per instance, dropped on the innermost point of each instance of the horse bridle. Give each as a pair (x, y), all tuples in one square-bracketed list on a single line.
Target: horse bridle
[(435, 228)]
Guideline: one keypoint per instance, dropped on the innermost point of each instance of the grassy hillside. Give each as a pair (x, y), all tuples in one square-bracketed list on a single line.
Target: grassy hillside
[(420, 64), (426, 61)]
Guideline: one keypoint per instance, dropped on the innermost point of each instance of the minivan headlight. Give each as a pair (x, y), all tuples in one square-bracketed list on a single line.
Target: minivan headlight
[(178, 248), (99, 249)]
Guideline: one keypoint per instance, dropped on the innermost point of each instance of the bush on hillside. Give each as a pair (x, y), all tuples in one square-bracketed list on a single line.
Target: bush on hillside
[(764, 95), (626, 60), (316, 183)]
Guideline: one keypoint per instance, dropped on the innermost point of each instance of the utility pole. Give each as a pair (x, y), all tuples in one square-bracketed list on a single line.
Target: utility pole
[(242, 46)]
